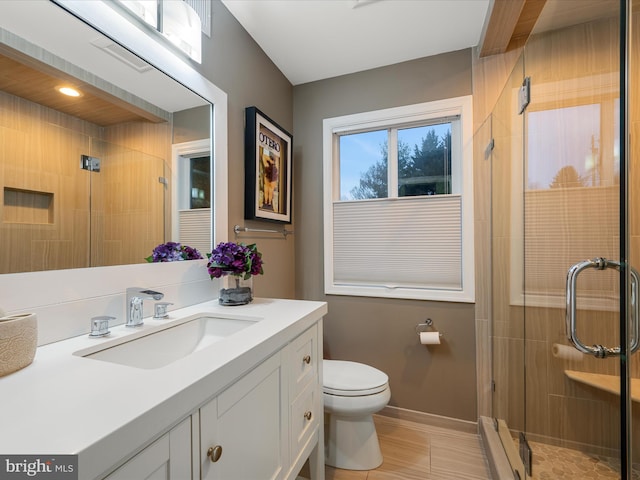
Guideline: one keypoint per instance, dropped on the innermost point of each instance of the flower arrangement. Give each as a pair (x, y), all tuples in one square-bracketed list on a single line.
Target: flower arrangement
[(173, 252), (234, 259)]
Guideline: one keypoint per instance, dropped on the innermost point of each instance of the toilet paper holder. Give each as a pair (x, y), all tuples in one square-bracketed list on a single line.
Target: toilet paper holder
[(426, 326)]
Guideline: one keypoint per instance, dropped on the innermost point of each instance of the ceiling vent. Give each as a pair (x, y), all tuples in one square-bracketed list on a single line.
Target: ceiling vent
[(125, 56)]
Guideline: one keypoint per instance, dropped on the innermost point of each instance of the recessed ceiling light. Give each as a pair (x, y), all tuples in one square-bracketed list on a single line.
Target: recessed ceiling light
[(71, 92)]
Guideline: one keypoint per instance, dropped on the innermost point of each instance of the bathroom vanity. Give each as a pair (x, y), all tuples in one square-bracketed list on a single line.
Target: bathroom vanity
[(207, 400)]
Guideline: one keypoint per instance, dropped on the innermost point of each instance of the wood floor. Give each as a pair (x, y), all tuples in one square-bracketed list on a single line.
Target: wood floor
[(414, 451)]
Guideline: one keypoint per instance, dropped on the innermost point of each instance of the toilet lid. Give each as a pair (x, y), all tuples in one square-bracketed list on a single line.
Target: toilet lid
[(350, 379)]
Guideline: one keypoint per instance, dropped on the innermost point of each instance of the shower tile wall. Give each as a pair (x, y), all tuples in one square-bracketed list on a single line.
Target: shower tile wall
[(507, 319), (489, 74), (42, 149)]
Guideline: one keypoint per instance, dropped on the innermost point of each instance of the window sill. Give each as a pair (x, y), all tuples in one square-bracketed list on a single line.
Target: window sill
[(401, 293)]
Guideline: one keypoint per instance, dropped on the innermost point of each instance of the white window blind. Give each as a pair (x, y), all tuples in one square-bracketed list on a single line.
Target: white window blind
[(413, 242), (195, 229), (203, 9)]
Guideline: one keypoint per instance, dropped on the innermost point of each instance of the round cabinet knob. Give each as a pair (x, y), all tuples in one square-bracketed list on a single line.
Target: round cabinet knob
[(214, 453), (307, 359), (308, 415)]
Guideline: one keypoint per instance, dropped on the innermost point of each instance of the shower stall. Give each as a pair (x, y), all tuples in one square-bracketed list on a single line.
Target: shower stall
[(565, 237)]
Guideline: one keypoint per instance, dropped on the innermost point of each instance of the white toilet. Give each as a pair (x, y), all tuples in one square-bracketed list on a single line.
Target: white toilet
[(352, 392)]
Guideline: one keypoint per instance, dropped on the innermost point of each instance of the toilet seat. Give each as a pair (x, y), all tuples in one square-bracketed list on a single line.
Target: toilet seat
[(352, 379)]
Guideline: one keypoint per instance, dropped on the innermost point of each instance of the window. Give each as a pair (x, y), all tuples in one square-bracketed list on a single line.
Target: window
[(177, 21), (200, 180), (398, 198), (570, 162)]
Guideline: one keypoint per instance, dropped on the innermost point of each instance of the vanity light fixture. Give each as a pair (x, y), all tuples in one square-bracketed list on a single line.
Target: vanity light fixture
[(69, 91)]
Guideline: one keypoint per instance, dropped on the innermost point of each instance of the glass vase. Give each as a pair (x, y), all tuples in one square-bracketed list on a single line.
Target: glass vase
[(235, 290)]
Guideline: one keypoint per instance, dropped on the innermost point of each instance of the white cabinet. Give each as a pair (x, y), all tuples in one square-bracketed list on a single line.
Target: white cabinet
[(263, 426), (169, 457), (241, 430), (266, 425)]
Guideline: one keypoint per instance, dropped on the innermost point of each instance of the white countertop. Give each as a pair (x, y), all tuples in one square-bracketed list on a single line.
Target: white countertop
[(66, 404)]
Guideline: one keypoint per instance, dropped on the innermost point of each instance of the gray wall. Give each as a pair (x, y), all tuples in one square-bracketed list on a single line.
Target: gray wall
[(235, 63), (191, 124), (381, 332), (376, 331)]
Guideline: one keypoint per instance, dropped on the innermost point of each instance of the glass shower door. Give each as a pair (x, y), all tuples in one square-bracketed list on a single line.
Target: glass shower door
[(507, 306), (560, 191), (571, 223)]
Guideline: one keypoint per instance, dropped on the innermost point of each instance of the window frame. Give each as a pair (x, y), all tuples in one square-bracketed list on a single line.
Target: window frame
[(394, 117)]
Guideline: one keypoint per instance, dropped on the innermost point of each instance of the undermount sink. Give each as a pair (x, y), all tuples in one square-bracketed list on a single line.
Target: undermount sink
[(160, 347)]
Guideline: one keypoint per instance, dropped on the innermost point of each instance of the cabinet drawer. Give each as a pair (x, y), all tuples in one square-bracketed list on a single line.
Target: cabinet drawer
[(303, 362), (304, 418)]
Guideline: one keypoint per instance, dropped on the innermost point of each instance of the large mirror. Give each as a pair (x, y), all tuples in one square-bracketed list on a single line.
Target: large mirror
[(101, 178)]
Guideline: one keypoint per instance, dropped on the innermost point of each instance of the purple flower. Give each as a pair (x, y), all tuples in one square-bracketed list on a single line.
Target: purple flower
[(234, 259), (173, 252), (190, 253)]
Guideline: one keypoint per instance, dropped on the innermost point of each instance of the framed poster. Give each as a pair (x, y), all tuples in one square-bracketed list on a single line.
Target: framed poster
[(267, 169)]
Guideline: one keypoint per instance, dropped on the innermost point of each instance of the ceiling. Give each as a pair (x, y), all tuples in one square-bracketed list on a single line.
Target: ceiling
[(312, 40), (315, 39), (37, 82)]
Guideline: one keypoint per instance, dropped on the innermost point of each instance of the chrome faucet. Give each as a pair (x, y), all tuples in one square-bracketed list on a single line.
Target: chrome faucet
[(135, 297)]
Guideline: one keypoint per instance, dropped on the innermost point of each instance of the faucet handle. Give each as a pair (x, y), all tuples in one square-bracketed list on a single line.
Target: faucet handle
[(100, 326), (160, 310), (134, 318)]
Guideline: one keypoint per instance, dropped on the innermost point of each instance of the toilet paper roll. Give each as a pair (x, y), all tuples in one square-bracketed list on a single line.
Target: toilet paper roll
[(565, 352), (430, 338)]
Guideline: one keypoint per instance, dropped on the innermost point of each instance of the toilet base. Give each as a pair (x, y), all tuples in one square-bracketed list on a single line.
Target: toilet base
[(351, 443)]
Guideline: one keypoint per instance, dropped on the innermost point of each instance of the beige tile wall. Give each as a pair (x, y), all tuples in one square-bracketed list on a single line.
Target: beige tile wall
[(29, 134), (133, 198), (41, 153), (489, 75)]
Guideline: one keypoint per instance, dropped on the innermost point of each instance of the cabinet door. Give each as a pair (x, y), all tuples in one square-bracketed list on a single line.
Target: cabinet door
[(168, 458), (244, 426)]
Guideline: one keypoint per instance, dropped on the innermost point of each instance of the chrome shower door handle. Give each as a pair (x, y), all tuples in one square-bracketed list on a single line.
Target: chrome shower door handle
[(599, 351), (635, 317)]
